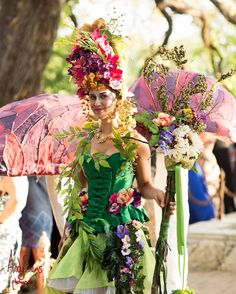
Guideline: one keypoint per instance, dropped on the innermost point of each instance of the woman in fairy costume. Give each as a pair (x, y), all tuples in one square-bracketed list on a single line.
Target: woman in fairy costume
[(105, 244)]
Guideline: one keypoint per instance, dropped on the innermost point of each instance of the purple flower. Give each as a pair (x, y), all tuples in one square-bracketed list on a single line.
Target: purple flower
[(129, 261), (122, 231), (203, 116), (200, 116), (167, 136), (137, 198), (132, 277), (172, 127), (162, 144), (141, 244)]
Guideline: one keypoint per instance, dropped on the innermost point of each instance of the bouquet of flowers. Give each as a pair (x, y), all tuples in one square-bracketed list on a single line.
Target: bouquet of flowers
[(173, 128)]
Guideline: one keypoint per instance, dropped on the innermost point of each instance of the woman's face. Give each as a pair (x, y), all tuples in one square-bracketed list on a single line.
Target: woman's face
[(102, 103)]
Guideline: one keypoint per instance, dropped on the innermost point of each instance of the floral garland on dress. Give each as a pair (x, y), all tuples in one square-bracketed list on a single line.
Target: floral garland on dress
[(124, 250), (123, 257)]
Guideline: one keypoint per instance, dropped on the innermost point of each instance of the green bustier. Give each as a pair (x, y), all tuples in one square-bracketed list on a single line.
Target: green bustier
[(101, 185)]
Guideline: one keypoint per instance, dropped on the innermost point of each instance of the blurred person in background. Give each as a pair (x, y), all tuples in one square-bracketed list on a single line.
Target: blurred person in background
[(226, 158), (204, 200), (201, 207), (13, 195), (36, 220)]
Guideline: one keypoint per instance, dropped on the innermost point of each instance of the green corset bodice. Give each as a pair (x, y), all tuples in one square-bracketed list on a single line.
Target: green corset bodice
[(101, 185)]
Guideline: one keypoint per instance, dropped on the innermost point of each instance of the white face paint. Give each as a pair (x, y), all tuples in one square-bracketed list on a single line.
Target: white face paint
[(102, 103)]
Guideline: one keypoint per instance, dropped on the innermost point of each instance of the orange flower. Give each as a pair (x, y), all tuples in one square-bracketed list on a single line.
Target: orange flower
[(125, 196), (163, 119)]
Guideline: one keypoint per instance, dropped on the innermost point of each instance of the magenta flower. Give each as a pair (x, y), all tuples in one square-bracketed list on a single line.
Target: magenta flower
[(96, 34), (125, 270), (113, 198), (115, 208), (137, 198)]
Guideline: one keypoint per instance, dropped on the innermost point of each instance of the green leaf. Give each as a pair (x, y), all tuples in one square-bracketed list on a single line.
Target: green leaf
[(153, 128), (154, 140), (104, 163), (81, 160), (97, 166)]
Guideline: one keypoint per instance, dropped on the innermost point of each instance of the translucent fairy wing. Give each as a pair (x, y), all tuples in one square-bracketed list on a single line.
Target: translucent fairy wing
[(27, 134)]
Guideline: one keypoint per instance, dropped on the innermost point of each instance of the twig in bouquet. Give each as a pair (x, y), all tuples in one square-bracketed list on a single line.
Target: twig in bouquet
[(162, 244)]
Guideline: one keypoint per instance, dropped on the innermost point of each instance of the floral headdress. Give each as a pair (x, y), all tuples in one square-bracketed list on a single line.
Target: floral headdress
[(95, 61)]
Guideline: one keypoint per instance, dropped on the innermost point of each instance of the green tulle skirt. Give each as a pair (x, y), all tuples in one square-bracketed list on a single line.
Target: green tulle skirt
[(77, 269)]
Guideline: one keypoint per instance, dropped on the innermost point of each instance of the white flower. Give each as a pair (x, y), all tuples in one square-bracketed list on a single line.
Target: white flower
[(138, 236), (125, 251), (126, 240), (187, 147), (182, 131)]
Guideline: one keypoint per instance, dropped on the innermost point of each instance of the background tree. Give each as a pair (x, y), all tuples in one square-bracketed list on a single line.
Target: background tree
[(206, 22), (27, 33)]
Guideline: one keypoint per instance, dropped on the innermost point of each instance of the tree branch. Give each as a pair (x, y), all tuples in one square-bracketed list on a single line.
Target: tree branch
[(205, 32), (161, 7), (183, 8), (225, 11), (72, 16)]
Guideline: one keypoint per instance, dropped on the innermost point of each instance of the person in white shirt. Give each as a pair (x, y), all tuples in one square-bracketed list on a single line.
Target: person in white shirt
[(13, 195)]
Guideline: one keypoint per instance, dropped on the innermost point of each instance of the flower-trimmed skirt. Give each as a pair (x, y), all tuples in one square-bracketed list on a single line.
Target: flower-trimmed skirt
[(78, 269)]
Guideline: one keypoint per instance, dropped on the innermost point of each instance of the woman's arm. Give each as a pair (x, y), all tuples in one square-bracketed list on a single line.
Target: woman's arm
[(17, 189), (143, 174), (144, 178)]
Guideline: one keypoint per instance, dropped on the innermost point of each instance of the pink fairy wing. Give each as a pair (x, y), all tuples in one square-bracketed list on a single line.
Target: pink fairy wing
[(144, 95), (27, 134), (221, 118)]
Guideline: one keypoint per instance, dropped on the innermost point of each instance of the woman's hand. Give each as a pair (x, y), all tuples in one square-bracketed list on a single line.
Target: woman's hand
[(172, 208), (60, 244), (159, 197)]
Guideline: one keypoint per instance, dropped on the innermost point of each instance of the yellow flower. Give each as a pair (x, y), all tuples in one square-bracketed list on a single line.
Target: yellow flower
[(188, 113)]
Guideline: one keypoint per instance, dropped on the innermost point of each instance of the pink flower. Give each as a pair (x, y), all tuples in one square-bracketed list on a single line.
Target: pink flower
[(115, 208), (96, 34), (113, 59), (116, 73), (125, 270), (118, 200), (84, 199), (104, 46), (163, 119), (102, 42)]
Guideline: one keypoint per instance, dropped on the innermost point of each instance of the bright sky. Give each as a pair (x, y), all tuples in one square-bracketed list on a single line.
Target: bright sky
[(141, 17)]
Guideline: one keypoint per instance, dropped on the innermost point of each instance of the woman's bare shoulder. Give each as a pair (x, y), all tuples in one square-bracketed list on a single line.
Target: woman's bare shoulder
[(142, 144)]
